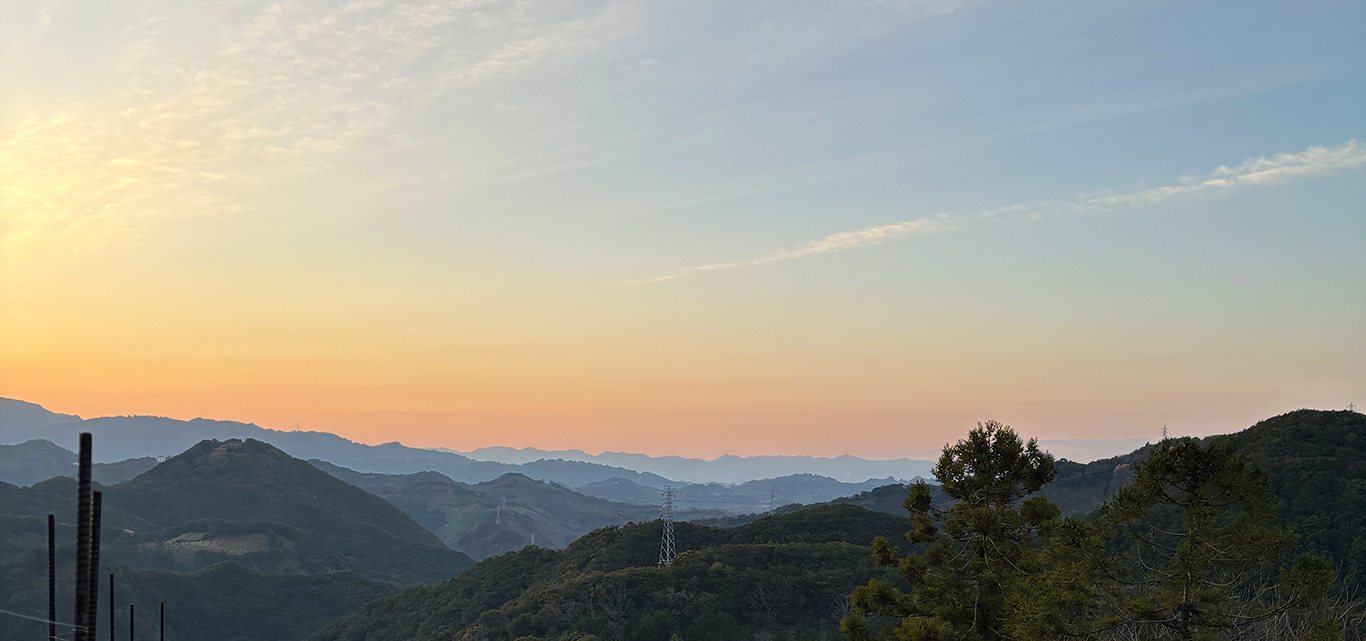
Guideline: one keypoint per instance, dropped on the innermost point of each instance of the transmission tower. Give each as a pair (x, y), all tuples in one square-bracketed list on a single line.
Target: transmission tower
[(1164, 431), (666, 545)]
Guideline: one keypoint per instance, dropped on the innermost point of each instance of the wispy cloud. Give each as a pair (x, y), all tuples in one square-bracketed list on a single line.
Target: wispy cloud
[(282, 94), (1263, 170)]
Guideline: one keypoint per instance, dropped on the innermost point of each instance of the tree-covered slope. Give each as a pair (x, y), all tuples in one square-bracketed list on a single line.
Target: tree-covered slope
[(818, 552), (490, 518), (1316, 462), (225, 602), (251, 481), (239, 539)]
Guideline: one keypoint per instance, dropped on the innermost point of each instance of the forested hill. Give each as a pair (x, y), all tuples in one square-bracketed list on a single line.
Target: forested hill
[(773, 574), (255, 481), (239, 539), (1316, 461), (490, 518)]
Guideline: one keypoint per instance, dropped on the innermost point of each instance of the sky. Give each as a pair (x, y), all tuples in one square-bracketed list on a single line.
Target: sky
[(693, 228)]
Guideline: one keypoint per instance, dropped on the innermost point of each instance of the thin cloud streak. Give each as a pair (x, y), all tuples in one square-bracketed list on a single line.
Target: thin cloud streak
[(1278, 169)]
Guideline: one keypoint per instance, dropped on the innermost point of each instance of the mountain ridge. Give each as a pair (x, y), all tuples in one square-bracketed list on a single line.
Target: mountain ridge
[(727, 468)]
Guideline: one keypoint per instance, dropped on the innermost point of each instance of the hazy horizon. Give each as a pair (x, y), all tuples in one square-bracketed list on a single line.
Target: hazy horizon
[(1076, 449)]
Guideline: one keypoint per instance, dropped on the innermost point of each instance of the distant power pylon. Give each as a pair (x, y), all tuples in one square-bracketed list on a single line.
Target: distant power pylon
[(1164, 431), (498, 516), (667, 549)]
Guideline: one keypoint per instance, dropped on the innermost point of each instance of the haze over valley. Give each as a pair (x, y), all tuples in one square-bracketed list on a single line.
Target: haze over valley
[(609, 320)]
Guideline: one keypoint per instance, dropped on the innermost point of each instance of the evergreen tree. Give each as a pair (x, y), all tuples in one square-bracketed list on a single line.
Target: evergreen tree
[(1202, 543), (982, 544)]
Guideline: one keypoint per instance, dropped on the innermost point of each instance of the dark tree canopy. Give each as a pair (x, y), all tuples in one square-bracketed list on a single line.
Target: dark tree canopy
[(1203, 540), (976, 548)]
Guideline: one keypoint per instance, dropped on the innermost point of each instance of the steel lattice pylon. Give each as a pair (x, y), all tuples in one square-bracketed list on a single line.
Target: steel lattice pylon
[(666, 545)]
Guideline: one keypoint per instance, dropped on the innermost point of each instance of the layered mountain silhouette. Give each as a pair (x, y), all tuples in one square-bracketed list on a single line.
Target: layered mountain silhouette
[(226, 527), (133, 442), (129, 437), (723, 469), (787, 574), (252, 481), (496, 516), (244, 541), (38, 460)]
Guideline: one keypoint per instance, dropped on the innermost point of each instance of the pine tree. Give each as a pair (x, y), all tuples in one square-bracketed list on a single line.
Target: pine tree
[(1202, 545), (977, 548)]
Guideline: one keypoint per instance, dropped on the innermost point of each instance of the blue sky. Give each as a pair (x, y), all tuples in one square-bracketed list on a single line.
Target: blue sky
[(815, 226)]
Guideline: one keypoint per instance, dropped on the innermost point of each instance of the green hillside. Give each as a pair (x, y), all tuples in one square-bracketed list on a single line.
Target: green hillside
[(224, 602), (490, 518), (251, 481), (803, 563), (239, 539), (1317, 464)]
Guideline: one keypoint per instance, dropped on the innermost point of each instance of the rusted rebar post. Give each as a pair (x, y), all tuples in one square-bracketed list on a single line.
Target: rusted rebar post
[(82, 609), (93, 617), (52, 577)]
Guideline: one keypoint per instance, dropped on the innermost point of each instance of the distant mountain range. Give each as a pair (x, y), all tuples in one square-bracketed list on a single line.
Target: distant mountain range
[(39, 460), (133, 443), (244, 541), (725, 469), (771, 576), (128, 437)]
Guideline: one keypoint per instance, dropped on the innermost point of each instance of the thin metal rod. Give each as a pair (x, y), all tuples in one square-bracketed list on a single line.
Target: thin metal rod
[(82, 541), (111, 606), (52, 577), (163, 621), (132, 619)]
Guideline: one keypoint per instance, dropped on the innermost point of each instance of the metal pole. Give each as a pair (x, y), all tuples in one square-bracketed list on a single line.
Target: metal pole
[(111, 606), (52, 577), (82, 541), (132, 619), (163, 621), (96, 500)]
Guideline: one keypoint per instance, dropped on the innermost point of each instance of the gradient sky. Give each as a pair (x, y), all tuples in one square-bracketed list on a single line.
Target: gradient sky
[(686, 228)]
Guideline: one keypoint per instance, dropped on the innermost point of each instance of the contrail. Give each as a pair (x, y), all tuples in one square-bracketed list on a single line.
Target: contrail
[(1278, 169)]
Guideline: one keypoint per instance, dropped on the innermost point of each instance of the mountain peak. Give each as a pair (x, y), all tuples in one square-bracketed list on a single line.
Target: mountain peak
[(210, 458)]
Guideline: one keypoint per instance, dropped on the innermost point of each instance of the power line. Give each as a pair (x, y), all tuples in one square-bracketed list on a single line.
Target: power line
[(39, 619)]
